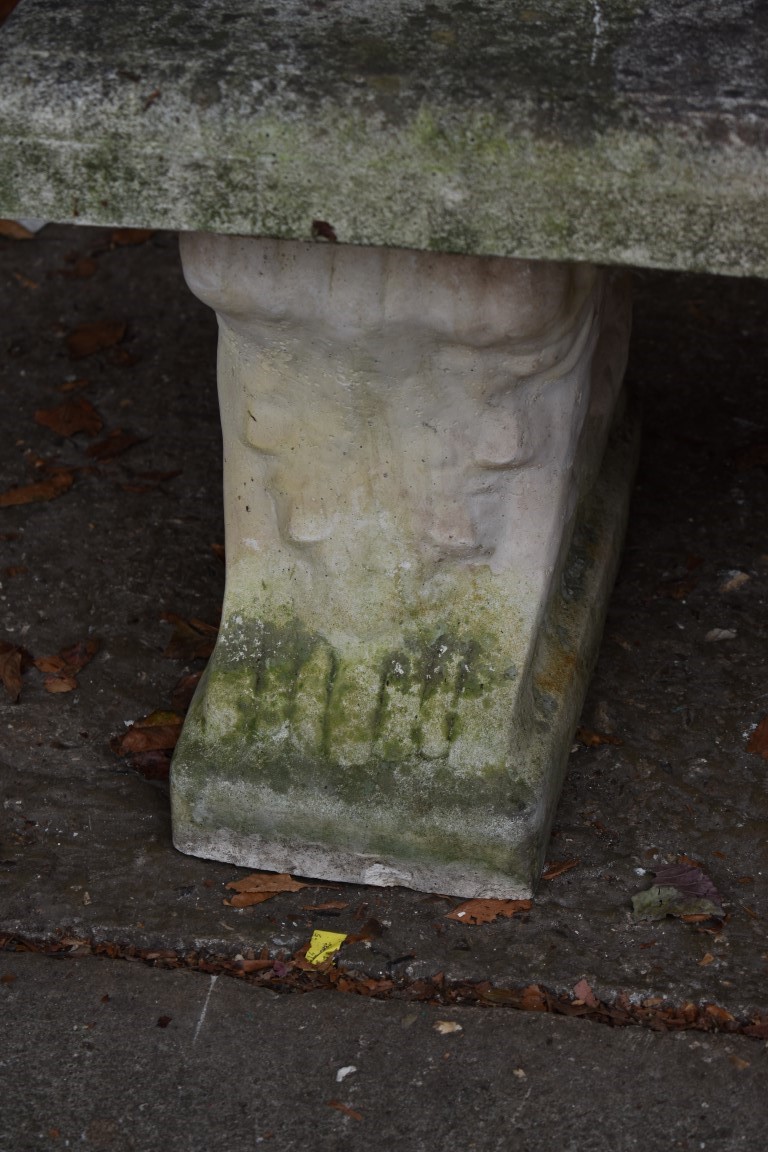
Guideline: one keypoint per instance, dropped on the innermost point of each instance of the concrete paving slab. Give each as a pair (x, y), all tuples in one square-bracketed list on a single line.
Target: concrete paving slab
[(86, 849), (106, 1055)]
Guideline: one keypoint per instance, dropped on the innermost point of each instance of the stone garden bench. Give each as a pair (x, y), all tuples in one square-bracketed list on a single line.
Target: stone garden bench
[(410, 218)]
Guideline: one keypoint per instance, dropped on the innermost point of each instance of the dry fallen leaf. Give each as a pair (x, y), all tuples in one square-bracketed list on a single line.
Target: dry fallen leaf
[(557, 868), (715, 1012), (706, 959), (678, 589), (114, 444), (123, 237), (758, 741), (337, 1104), (261, 886), (735, 581), (249, 899), (681, 890), (10, 669), (191, 640), (592, 739), (485, 911), (446, 1027), (81, 267), (54, 485), (583, 992), (25, 281), (531, 998), (60, 683), (156, 732), (73, 416), (738, 1062), (87, 339), (184, 690), (62, 667), (11, 229)]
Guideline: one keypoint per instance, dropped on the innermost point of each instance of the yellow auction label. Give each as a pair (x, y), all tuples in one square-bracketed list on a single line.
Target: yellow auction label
[(324, 945)]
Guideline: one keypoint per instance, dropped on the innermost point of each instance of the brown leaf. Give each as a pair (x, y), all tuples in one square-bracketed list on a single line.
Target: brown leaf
[(485, 911), (253, 965), (582, 991), (153, 739), (592, 739), (248, 899), (123, 237), (82, 268), (191, 640), (80, 654), (87, 339), (181, 696), (371, 930), (218, 551), (678, 589), (758, 741), (54, 485), (533, 999), (163, 1021), (60, 683), (156, 732), (73, 416), (15, 570), (687, 879), (11, 229), (154, 764), (552, 871), (10, 670), (715, 1012), (337, 1104), (114, 444), (267, 882), (738, 1062), (26, 282), (735, 581), (68, 661)]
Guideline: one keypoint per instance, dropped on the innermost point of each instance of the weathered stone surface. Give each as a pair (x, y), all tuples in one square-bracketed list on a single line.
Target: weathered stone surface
[(631, 132), (410, 442)]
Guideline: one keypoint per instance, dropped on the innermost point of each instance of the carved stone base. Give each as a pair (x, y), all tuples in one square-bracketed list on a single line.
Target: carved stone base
[(423, 525)]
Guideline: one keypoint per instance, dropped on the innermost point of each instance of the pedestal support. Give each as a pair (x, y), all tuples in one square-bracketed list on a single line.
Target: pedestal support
[(427, 469)]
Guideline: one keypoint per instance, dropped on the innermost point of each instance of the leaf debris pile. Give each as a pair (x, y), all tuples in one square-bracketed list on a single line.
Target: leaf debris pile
[(681, 890), (292, 974)]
